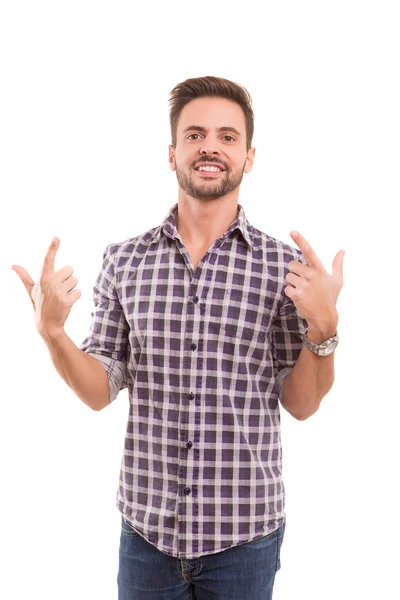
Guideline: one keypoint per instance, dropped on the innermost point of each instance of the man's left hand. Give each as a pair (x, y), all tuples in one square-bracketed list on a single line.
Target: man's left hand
[(313, 290)]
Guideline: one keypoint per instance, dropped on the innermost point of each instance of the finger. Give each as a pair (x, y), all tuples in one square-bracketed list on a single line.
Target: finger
[(337, 269), (68, 285), (62, 275), (25, 278), (294, 280), (299, 268), (48, 265), (309, 254), (74, 296)]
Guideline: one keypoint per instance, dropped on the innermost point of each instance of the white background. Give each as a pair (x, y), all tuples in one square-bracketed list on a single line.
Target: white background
[(84, 145)]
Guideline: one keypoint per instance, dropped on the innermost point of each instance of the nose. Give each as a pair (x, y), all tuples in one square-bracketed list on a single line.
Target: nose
[(209, 150)]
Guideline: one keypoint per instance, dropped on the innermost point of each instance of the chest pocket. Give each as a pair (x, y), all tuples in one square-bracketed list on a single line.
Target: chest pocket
[(247, 313)]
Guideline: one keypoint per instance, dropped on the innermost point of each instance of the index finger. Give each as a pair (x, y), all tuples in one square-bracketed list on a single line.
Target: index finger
[(309, 254), (49, 259)]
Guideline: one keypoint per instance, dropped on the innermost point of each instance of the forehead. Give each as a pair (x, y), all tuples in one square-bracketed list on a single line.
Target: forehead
[(212, 113)]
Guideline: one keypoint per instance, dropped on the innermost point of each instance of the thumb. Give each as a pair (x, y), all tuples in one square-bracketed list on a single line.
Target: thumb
[(25, 278), (337, 267)]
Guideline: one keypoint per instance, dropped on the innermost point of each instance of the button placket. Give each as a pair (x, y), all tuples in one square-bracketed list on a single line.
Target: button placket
[(193, 347)]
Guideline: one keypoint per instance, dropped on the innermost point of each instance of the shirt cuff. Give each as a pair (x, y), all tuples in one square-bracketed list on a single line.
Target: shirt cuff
[(116, 371)]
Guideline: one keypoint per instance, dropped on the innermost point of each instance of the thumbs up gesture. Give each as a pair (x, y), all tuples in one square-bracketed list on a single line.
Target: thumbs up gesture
[(52, 295)]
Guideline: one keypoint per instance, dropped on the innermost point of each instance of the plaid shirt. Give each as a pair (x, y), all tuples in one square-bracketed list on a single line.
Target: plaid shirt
[(203, 355)]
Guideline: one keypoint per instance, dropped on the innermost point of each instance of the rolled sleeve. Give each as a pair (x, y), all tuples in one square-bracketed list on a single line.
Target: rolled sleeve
[(108, 337), (287, 333), (116, 371)]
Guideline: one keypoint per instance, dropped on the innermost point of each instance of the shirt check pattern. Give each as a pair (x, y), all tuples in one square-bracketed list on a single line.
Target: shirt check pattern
[(203, 355)]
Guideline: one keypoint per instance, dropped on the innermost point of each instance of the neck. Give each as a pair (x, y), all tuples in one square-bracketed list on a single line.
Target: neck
[(201, 222)]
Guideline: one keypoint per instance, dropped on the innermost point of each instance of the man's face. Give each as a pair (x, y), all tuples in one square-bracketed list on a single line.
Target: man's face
[(210, 131)]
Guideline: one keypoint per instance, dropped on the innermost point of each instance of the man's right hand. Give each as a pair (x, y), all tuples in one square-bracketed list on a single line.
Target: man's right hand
[(52, 295)]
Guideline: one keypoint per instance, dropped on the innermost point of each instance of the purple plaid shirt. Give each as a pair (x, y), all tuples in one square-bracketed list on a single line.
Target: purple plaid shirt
[(203, 354)]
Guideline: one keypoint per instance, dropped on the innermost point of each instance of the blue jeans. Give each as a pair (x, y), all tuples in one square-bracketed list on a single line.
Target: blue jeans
[(245, 572)]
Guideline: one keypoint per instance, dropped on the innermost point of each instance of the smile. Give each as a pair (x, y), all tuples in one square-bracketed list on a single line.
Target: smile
[(210, 172), (210, 169)]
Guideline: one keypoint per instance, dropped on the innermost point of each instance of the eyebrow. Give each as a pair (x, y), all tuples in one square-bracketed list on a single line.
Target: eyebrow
[(203, 129)]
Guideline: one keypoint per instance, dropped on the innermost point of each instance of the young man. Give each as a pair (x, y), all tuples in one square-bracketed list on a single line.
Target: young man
[(209, 323)]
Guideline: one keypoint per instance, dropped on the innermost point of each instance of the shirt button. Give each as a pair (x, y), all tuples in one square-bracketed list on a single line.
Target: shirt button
[(193, 346), (189, 445), (187, 491), (196, 299), (191, 396)]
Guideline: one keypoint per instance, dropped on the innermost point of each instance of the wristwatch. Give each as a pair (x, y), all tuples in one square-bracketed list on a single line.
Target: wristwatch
[(323, 349)]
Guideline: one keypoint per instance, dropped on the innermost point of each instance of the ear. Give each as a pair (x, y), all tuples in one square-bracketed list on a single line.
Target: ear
[(171, 158), (249, 160)]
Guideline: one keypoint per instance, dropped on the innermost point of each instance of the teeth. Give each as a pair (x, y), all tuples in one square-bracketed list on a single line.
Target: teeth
[(215, 169)]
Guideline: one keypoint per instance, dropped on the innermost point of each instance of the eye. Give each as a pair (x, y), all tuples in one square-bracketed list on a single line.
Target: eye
[(229, 136), (191, 135)]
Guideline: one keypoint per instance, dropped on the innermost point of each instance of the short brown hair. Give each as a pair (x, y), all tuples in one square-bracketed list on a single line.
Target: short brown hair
[(208, 86)]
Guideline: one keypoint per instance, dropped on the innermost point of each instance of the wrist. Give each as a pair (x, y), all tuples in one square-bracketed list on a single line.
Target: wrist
[(52, 335), (317, 335)]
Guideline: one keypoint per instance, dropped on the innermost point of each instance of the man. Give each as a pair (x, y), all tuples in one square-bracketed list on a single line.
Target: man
[(203, 319)]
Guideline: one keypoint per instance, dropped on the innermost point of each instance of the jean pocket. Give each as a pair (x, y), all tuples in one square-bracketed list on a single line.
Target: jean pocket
[(126, 528)]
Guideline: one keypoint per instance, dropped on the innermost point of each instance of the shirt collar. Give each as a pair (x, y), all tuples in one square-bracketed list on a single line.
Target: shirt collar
[(168, 226)]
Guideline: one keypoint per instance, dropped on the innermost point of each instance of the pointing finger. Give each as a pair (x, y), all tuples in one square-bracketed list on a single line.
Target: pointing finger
[(48, 265), (309, 254)]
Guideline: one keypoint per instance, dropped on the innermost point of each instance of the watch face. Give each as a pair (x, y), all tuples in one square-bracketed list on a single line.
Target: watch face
[(328, 349)]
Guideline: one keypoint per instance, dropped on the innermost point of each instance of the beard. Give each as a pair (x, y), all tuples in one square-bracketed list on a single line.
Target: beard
[(209, 191)]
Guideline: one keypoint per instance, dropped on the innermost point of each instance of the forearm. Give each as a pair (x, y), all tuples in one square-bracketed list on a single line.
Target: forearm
[(80, 371), (310, 380)]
